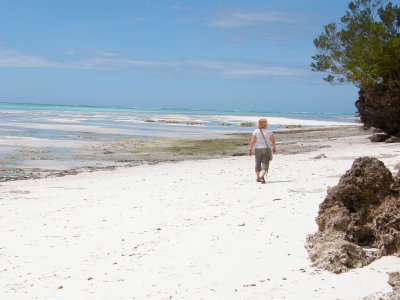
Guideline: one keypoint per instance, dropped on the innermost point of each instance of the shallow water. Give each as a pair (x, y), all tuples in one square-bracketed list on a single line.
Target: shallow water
[(49, 137), (52, 121)]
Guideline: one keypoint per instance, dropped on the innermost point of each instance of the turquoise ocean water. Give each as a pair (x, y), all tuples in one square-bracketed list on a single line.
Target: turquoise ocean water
[(37, 136), (29, 107), (42, 120)]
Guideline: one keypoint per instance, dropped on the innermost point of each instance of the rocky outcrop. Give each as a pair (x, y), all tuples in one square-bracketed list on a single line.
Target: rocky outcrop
[(379, 137), (394, 281), (380, 108), (359, 220)]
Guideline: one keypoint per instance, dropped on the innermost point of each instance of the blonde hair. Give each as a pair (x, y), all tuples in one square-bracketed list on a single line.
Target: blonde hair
[(262, 123)]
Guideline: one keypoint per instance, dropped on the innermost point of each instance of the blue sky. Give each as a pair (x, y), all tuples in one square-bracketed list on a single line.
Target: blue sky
[(230, 55)]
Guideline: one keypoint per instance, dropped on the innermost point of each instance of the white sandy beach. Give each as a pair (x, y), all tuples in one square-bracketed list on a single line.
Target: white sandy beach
[(285, 121), (187, 230)]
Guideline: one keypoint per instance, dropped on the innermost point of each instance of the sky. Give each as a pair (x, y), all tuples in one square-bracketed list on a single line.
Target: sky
[(219, 55)]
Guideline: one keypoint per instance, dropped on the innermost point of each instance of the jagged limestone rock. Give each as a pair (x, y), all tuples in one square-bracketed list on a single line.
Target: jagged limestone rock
[(359, 220), (380, 108)]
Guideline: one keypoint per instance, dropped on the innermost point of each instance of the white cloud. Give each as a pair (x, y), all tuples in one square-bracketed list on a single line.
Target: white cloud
[(105, 53), (11, 58), (244, 70), (121, 63), (178, 68), (244, 19)]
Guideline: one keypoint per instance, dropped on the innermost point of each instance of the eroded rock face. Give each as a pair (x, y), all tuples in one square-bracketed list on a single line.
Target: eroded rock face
[(359, 220), (381, 109), (394, 281), (379, 137)]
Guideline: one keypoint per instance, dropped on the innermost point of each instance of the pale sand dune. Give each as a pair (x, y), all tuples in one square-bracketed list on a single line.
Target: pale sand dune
[(187, 230)]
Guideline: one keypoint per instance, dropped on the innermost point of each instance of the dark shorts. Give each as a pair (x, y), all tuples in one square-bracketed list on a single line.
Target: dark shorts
[(262, 159)]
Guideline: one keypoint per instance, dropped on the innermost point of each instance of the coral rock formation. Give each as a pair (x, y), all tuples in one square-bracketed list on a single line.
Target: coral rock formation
[(380, 108), (359, 220)]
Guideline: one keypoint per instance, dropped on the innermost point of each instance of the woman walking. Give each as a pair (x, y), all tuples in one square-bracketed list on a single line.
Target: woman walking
[(263, 142)]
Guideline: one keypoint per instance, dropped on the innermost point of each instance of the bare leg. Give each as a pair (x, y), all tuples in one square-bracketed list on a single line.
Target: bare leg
[(262, 173)]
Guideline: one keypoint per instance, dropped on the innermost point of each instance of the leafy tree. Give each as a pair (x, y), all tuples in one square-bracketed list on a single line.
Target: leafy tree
[(364, 48)]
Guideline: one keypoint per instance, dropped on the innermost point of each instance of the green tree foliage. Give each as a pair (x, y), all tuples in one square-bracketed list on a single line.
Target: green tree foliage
[(364, 48)]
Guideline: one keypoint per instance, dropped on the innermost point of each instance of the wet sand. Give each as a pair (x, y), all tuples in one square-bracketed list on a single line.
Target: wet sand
[(28, 158)]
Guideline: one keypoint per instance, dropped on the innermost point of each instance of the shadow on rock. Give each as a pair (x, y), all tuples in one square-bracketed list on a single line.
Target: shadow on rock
[(359, 220)]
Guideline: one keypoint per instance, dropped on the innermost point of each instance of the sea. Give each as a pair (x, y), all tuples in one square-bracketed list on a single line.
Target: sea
[(40, 140), (59, 121)]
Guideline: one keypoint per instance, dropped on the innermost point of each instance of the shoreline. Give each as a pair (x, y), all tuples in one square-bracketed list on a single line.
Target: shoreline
[(195, 229), (30, 163)]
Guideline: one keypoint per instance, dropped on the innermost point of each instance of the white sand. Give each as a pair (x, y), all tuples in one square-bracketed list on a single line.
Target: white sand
[(284, 121), (188, 230)]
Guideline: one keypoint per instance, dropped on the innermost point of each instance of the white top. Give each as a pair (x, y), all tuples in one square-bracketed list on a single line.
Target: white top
[(260, 143)]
